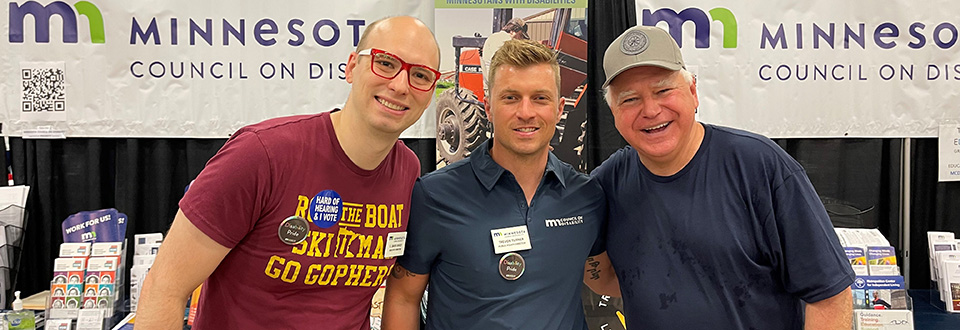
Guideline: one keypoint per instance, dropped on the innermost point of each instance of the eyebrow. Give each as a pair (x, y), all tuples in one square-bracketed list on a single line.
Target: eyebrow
[(538, 91), (665, 82), (624, 93)]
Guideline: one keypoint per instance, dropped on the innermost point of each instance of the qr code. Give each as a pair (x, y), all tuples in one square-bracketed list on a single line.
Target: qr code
[(43, 90)]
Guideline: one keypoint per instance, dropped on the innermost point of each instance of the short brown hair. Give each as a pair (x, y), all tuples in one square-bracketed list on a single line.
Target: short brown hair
[(521, 54)]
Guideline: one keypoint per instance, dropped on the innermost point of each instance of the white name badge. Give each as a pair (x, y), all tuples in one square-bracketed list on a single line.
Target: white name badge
[(395, 244), (510, 239)]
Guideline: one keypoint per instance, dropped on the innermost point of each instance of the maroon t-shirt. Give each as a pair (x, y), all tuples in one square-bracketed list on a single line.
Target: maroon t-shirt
[(294, 166)]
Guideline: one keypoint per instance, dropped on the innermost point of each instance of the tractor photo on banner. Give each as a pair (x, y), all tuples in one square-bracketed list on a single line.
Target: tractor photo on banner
[(469, 37)]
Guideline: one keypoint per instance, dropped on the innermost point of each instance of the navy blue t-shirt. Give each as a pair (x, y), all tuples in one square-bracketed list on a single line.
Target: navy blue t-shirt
[(737, 239)]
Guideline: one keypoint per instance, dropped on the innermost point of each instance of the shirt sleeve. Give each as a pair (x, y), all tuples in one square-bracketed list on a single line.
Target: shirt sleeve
[(600, 245), (603, 175), (421, 248), (813, 265), (225, 201)]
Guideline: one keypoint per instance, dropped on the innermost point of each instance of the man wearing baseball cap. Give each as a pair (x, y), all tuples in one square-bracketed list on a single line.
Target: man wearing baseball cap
[(710, 227)]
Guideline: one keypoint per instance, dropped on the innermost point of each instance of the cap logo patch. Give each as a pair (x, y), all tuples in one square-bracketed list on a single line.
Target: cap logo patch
[(634, 42)]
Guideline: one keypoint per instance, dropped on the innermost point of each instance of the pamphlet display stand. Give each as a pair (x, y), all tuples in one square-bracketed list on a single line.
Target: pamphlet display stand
[(13, 221), (884, 319), (101, 288)]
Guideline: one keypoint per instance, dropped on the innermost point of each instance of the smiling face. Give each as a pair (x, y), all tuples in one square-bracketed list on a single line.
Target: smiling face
[(524, 106), (654, 111), (391, 105)]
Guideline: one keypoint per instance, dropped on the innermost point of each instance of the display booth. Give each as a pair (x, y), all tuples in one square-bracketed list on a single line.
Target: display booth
[(112, 104)]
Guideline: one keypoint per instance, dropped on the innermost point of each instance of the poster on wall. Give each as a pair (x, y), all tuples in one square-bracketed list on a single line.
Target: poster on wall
[(463, 31), (949, 158), (820, 68), (105, 68)]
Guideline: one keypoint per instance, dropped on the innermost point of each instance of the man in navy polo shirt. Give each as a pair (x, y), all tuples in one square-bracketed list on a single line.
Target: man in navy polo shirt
[(502, 236), (710, 227)]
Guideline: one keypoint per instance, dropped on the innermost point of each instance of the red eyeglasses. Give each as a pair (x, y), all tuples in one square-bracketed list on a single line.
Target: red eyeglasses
[(388, 66)]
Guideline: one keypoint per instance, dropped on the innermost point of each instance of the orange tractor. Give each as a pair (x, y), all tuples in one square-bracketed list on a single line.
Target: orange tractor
[(462, 124)]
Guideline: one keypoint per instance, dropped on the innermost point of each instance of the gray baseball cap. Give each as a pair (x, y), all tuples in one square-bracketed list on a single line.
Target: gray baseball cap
[(639, 46)]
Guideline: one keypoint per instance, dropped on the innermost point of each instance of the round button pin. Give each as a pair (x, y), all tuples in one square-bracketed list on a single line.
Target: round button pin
[(511, 266), (293, 230)]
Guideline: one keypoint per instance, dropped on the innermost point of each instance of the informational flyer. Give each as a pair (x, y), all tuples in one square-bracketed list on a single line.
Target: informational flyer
[(949, 152)]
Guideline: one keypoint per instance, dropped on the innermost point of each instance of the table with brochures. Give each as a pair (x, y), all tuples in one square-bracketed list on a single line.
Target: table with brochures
[(927, 314)]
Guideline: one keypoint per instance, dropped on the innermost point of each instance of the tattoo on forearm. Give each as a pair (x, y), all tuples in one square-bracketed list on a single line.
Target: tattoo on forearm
[(400, 272), (592, 269)]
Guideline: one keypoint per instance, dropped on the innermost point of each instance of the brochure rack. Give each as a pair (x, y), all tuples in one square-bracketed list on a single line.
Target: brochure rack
[(100, 290), (13, 221)]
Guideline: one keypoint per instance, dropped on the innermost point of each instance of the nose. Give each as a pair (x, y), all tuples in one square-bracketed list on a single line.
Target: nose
[(399, 83), (650, 109), (526, 110)]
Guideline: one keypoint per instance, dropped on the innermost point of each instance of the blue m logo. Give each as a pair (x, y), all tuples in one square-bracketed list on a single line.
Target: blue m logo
[(701, 23), (41, 16)]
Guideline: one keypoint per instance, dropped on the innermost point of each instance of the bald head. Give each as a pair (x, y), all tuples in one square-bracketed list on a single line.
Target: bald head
[(410, 30)]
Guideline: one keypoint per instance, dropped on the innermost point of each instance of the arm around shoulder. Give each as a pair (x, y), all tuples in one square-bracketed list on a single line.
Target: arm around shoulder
[(186, 258), (832, 313), (401, 302), (598, 274)]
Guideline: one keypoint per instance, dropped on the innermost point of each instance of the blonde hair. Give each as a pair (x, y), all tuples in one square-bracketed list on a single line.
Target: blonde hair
[(522, 54)]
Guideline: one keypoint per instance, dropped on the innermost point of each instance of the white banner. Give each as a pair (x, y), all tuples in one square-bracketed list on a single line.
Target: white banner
[(819, 68), (179, 68)]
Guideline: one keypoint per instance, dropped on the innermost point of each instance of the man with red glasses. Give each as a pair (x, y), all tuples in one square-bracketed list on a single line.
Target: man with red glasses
[(296, 221)]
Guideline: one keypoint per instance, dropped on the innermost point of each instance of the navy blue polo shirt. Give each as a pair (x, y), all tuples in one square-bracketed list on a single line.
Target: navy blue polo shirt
[(452, 213)]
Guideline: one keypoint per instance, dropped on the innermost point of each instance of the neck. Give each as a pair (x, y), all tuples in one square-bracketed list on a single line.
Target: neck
[(365, 146), (527, 169), (673, 163)]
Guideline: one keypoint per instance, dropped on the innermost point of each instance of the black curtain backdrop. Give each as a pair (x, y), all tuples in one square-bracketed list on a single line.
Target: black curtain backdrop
[(143, 178), (607, 19)]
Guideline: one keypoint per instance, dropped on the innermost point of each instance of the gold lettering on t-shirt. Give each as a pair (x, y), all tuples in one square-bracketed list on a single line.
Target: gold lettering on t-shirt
[(344, 239), (271, 271), (356, 271), (378, 253), (327, 274), (396, 212), (303, 202), (311, 278), (315, 239), (365, 242), (383, 216), (371, 216), (382, 272), (366, 275), (288, 275), (341, 271)]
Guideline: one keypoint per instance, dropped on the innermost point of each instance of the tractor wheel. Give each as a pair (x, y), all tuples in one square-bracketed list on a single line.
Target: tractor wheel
[(461, 126)]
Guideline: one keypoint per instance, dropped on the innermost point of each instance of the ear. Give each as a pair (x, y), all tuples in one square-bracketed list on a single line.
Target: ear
[(486, 109), (351, 64), (560, 107), (693, 91)]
